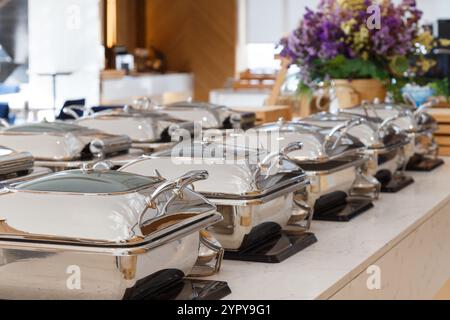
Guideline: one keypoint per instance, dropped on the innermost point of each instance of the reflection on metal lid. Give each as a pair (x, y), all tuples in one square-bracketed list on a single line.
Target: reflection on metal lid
[(90, 182)]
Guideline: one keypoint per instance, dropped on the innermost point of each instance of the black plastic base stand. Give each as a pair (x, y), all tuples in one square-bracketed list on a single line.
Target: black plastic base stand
[(170, 284), (396, 184), (191, 289), (275, 249), (424, 165), (344, 213)]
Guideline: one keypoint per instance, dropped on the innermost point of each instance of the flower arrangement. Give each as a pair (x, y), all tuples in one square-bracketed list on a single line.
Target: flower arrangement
[(335, 41)]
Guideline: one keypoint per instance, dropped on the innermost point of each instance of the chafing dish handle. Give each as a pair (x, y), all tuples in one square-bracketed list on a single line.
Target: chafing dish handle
[(282, 154), (212, 244), (144, 104), (309, 211), (279, 155), (387, 122), (179, 184), (343, 129), (423, 108), (191, 177)]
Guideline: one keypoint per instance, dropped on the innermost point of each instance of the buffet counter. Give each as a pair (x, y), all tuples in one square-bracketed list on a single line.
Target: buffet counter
[(398, 250), (164, 88)]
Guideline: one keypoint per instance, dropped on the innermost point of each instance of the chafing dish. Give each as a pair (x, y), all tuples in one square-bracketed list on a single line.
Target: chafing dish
[(61, 146), (333, 161), (210, 115), (127, 236), (149, 130), (420, 126), (18, 166), (385, 145), (252, 189)]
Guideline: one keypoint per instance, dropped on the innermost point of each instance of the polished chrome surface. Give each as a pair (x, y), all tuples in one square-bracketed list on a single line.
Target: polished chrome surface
[(319, 144), (142, 126), (118, 198), (33, 173), (334, 159), (61, 141), (211, 116), (247, 194), (117, 161), (236, 172), (37, 265), (13, 162)]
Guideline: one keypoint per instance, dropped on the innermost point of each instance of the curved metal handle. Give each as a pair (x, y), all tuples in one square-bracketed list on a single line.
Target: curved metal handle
[(144, 104), (425, 106), (309, 213), (103, 166), (367, 106), (279, 155), (97, 147), (282, 154), (291, 147), (387, 122), (179, 184), (342, 129), (364, 187), (191, 177), (207, 240)]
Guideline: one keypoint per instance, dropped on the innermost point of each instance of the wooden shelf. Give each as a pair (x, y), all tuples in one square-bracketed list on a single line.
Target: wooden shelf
[(442, 115)]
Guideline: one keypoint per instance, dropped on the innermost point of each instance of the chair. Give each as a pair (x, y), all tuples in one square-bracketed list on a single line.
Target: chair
[(4, 114), (104, 108), (72, 109)]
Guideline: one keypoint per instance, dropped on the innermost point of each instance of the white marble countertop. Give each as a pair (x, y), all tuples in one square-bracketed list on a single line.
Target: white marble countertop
[(343, 250)]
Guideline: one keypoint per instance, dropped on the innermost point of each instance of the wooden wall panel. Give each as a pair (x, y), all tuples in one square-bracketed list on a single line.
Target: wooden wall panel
[(198, 36), (131, 23)]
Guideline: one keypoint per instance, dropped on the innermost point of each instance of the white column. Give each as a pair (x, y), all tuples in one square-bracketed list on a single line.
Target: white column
[(65, 36)]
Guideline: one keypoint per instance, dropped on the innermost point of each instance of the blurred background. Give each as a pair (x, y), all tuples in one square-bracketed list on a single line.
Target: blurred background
[(112, 51)]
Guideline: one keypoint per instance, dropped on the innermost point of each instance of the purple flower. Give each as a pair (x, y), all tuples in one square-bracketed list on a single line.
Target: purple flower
[(320, 34)]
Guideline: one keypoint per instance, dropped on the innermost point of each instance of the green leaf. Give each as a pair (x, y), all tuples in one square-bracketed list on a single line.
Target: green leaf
[(398, 65)]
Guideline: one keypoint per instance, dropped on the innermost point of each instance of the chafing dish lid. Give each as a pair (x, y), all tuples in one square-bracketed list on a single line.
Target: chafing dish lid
[(318, 144), (48, 127), (234, 171), (367, 131), (382, 111), (14, 162), (78, 181), (211, 115), (74, 141), (130, 112), (98, 208), (143, 126)]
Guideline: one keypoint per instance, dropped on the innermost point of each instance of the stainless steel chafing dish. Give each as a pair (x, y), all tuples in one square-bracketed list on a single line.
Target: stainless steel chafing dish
[(420, 126), (252, 189), (18, 166), (340, 189), (60, 145), (126, 236), (149, 130), (210, 115), (385, 144)]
